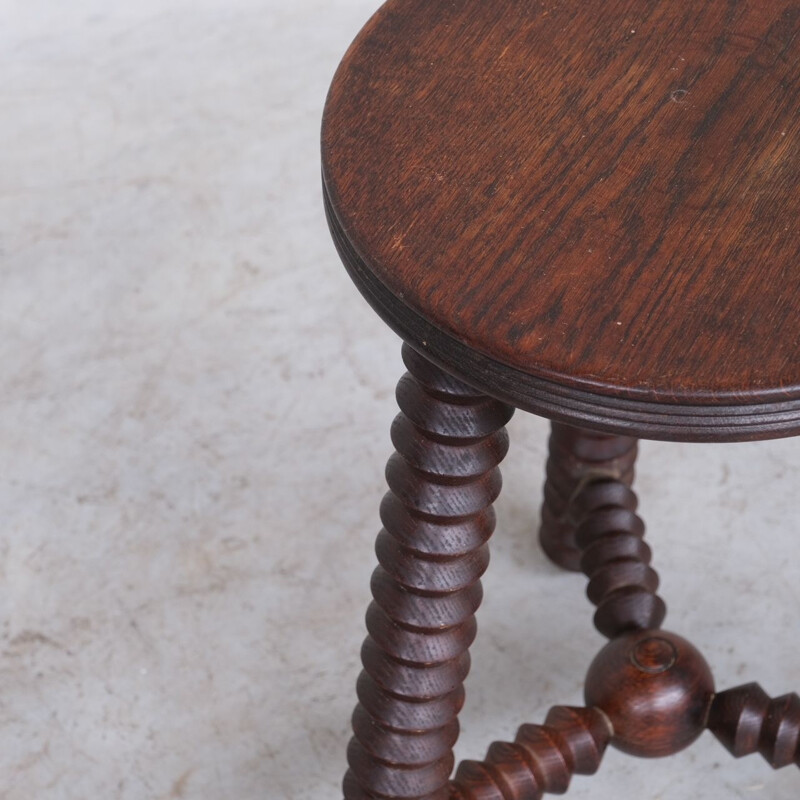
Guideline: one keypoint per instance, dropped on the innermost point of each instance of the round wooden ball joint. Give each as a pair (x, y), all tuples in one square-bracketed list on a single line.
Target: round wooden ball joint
[(655, 688)]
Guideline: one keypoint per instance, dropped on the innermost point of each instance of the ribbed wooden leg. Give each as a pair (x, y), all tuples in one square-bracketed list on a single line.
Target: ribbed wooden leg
[(432, 551), (542, 759), (576, 457), (616, 559), (746, 720)]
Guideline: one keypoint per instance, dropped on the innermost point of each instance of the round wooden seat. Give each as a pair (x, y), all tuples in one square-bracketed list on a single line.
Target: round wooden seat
[(588, 210)]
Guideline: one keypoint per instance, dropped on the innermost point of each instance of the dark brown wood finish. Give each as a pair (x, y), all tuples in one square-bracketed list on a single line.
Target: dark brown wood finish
[(648, 692), (616, 559), (656, 690), (432, 551), (542, 758), (577, 457), (586, 209), (747, 720)]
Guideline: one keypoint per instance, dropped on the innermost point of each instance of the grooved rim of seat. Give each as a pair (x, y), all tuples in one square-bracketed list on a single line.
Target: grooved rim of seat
[(642, 419)]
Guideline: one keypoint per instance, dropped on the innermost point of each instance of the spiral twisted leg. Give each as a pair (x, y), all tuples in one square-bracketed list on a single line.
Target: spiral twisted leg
[(746, 720), (437, 519), (576, 457), (615, 558), (542, 758)]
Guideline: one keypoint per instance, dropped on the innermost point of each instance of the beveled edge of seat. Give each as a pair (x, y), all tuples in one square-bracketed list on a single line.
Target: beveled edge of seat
[(630, 416)]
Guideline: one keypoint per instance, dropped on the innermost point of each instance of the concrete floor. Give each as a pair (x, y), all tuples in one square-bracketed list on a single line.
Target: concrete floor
[(195, 409)]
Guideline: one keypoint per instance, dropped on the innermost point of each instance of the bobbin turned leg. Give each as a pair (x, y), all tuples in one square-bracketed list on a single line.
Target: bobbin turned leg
[(432, 551), (541, 759), (747, 720), (576, 457), (609, 535)]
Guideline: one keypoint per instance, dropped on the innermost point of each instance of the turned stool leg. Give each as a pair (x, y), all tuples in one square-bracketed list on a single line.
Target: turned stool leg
[(578, 456), (432, 551)]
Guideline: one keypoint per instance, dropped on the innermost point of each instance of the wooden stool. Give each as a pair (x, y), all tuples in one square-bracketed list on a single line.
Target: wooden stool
[(589, 211)]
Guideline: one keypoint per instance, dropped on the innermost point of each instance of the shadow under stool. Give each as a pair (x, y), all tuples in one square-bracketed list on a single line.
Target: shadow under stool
[(589, 211)]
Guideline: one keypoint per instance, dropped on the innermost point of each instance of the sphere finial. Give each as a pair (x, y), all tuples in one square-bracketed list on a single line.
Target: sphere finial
[(655, 688)]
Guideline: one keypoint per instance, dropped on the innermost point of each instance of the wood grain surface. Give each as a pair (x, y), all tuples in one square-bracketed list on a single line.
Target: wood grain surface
[(602, 197)]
